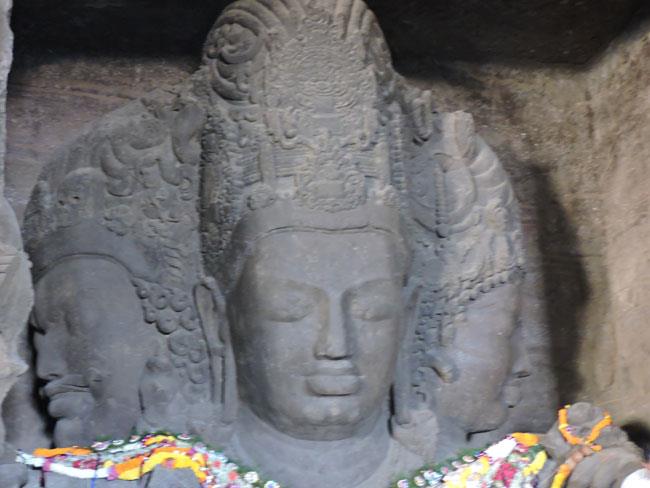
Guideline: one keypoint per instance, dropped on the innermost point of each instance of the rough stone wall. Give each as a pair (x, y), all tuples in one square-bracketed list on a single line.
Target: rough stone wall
[(621, 143), (574, 137), (6, 55)]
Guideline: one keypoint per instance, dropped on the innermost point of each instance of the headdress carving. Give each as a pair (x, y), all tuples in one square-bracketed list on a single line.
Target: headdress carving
[(310, 113), (467, 233), (303, 119), (125, 190)]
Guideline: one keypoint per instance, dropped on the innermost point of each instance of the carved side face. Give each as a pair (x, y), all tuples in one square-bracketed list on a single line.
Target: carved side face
[(483, 354), (91, 349), (316, 326)]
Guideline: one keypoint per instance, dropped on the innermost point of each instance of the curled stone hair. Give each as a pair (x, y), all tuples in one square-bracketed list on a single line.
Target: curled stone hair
[(125, 190)]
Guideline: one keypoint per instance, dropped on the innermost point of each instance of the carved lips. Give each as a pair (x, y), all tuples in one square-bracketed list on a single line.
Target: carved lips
[(62, 394), (334, 378)]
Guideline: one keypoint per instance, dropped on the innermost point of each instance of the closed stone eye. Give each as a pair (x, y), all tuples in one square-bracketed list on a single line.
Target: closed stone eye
[(287, 308), (371, 311)]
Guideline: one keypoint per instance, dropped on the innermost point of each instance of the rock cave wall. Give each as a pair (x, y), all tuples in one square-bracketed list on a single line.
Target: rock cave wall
[(569, 121), (621, 145)]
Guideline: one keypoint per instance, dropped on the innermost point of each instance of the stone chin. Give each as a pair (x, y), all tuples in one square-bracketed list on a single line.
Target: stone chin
[(319, 418), (315, 416), (68, 405), (72, 432)]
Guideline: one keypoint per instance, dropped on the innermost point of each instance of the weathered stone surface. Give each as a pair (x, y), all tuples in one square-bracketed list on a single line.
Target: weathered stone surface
[(578, 168), (621, 111), (363, 253), (113, 234), (554, 128), (574, 139), (15, 283)]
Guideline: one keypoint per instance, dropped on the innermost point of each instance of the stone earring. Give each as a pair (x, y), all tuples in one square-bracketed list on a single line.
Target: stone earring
[(413, 426), (229, 376), (402, 390), (214, 320)]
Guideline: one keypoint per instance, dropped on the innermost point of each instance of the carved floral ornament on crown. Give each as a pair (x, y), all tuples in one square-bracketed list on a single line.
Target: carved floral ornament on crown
[(329, 181), (320, 74)]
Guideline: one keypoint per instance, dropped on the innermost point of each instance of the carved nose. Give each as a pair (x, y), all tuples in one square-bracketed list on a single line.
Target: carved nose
[(45, 369), (49, 366), (333, 341)]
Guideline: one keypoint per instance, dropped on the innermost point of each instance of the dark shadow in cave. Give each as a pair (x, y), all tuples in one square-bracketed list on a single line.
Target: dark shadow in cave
[(564, 283), (522, 31), (639, 433)]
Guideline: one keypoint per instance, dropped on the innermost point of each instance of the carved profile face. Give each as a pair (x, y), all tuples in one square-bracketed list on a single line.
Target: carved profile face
[(91, 349), (483, 355), (316, 323)]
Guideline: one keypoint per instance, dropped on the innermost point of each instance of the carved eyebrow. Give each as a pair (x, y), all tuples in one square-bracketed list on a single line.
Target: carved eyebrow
[(300, 285), (375, 281)]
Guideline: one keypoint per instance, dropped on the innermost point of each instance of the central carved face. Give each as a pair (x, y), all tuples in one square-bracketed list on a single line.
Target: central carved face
[(316, 326)]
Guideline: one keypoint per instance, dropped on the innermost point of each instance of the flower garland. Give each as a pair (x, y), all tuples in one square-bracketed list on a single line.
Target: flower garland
[(587, 444), (565, 429), (512, 462), (133, 458)]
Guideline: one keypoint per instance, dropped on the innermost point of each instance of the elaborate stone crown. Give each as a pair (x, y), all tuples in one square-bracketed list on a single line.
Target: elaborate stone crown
[(302, 123)]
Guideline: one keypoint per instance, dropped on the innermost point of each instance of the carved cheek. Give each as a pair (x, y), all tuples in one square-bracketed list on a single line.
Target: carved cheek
[(377, 344)]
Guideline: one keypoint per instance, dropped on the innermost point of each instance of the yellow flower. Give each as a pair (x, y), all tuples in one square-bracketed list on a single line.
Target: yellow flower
[(527, 440), (537, 464)]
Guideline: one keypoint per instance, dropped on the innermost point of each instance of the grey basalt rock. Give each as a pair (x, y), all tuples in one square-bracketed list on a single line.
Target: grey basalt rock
[(15, 283), (618, 459), (112, 232), (324, 199), (303, 268)]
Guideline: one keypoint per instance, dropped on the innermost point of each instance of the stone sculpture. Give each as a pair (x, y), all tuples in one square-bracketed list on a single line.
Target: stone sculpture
[(15, 286), (608, 467), (110, 231), (348, 226), (15, 302), (293, 255)]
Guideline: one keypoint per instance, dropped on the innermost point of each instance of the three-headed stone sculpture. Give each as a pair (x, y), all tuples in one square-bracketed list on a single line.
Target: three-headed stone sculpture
[(294, 255)]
